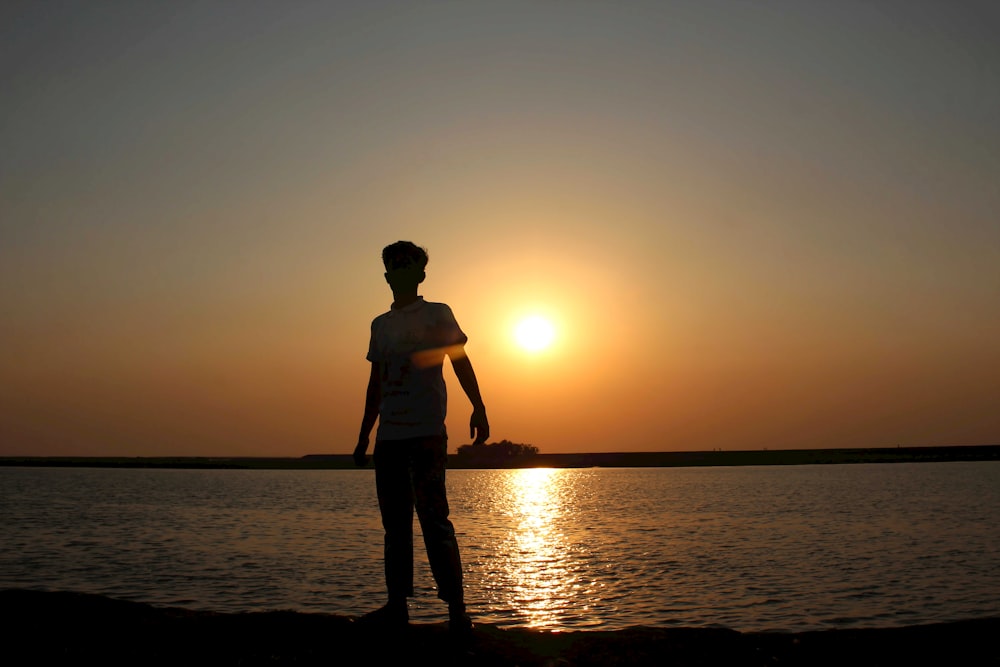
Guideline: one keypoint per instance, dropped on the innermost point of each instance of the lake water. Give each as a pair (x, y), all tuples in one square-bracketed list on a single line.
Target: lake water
[(749, 548)]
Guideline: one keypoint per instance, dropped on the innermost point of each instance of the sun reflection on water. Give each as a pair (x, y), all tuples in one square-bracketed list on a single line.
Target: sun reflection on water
[(534, 573)]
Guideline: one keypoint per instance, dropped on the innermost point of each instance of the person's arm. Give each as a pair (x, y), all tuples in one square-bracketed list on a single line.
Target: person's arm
[(372, 398), (479, 425)]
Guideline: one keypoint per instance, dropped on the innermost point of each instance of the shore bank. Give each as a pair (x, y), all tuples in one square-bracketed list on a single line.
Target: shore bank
[(585, 460), (64, 628)]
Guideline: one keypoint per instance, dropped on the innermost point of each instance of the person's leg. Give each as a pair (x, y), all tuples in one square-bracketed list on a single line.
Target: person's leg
[(395, 502), (429, 461)]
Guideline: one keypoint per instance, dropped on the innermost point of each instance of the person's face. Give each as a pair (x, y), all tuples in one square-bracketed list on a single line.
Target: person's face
[(405, 276)]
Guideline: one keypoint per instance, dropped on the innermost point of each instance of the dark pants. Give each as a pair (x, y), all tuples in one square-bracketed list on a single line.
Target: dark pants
[(410, 473)]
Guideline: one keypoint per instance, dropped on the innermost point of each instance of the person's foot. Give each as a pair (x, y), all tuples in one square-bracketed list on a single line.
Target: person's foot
[(459, 623), (391, 615)]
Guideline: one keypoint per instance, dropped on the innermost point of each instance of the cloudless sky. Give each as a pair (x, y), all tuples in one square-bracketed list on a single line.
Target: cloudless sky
[(752, 224)]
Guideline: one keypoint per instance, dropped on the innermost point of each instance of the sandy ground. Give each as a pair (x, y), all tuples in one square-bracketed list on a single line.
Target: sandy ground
[(57, 628)]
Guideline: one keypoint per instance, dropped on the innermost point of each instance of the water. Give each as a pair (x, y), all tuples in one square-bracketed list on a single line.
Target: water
[(749, 548)]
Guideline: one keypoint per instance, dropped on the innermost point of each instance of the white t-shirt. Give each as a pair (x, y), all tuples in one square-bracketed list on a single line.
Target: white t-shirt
[(410, 344)]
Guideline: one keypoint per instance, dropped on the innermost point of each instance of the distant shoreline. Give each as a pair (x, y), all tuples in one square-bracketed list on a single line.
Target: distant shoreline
[(587, 460)]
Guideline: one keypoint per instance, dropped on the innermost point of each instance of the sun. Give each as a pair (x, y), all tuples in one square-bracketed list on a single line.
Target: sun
[(534, 333)]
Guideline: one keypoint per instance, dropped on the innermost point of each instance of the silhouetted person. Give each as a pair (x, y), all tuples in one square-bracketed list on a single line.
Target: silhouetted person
[(406, 395)]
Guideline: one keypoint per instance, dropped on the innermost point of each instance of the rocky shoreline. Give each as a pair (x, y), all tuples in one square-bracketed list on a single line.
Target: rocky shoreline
[(66, 628)]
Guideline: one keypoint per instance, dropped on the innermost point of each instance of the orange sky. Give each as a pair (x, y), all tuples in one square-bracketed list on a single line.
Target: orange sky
[(752, 225)]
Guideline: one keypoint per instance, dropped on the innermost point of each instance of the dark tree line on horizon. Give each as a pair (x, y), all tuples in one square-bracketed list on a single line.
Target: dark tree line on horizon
[(505, 450)]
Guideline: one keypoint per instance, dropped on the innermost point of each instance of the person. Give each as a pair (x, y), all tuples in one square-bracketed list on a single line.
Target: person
[(407, 396)]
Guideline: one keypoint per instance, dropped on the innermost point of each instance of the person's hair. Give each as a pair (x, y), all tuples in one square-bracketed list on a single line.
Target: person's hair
[(403, 253)]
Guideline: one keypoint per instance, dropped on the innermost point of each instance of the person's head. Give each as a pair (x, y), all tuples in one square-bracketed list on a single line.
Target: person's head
[(404, 264)]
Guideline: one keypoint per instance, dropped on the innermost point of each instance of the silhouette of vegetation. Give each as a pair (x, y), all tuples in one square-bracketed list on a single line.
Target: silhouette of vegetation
[(496, 454)]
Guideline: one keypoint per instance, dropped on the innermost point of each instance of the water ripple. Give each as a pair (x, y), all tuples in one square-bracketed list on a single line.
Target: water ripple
[(782, 548)]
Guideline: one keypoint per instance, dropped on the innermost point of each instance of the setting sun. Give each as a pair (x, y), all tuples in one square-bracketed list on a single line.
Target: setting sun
[(534, 333)]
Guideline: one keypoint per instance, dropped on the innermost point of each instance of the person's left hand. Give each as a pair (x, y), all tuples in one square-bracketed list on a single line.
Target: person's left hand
[(479, 425), (361, 453)]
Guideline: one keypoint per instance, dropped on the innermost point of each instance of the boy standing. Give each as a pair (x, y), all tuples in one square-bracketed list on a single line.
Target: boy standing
[(406, 395)]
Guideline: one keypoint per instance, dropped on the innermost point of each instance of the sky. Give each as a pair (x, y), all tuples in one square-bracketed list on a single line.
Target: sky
[(751, 225)]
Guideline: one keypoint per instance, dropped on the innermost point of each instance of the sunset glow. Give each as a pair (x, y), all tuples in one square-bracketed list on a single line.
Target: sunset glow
[(662, 226), (534, 333)]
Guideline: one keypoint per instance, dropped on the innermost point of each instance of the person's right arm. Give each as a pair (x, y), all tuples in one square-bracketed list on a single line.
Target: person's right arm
[(372, 397)]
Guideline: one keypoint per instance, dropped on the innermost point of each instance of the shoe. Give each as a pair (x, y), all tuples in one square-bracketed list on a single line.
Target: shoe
[(391, 615)]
